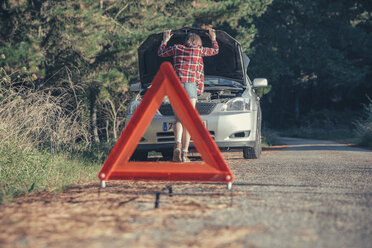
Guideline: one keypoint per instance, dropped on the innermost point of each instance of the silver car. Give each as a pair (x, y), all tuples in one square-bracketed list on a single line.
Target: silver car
[(229, 106)]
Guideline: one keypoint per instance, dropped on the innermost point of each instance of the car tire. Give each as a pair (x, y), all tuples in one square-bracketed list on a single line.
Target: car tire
[(255, 152), (139, 156)]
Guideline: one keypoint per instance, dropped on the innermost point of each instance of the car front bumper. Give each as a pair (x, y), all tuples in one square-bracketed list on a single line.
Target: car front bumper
[(167, 146), (228, 129)]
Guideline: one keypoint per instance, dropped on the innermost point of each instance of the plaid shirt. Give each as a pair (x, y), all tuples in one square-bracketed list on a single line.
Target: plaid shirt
[(188, 61)]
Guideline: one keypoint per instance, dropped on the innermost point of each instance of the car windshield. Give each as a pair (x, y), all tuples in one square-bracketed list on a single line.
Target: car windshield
[(218, 82)]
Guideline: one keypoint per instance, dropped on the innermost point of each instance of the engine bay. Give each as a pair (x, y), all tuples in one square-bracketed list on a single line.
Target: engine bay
[(220, 94)]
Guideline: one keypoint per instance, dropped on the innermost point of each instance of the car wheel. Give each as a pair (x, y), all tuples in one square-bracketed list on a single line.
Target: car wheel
[(255, 152), (139, 156)]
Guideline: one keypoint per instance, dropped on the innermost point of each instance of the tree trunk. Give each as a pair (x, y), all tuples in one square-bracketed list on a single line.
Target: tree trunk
[(297, 106), (107, 131), (114, 114), (93, 116), (94, 124), (115, 130)]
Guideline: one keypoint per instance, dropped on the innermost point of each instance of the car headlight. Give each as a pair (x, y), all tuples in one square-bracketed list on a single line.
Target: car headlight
[(237, 104), (132, 107)]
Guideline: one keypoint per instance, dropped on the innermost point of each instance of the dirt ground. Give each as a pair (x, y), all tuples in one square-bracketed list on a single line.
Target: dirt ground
[(85, 215), (307, 194)]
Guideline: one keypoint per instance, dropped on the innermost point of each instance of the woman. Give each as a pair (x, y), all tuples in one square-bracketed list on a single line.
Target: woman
[(188, 64)]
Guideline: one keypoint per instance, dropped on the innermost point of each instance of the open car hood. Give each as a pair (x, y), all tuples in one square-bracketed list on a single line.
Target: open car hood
[(230, 62)]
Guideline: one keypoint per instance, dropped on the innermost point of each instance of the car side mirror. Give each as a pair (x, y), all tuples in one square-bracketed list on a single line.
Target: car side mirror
[(135, 87), (260, 83)]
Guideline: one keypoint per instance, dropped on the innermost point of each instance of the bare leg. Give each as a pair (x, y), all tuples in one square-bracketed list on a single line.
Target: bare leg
[(185, 133), (177, 129)]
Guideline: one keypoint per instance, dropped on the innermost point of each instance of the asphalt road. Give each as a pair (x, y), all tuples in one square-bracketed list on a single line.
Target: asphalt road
[(311, 194), (306, 194)]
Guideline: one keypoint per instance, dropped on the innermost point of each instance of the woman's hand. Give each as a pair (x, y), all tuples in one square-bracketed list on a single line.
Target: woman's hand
[(167, 35), (212, 34)]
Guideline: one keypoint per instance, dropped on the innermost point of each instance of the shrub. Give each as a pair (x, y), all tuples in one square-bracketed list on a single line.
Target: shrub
[(325, 124), (364, 126), (38, 132), (37, 119), (327, 119), (269, 137)]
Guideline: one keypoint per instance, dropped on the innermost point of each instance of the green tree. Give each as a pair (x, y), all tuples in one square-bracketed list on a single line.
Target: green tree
[(90, 47), (75, 46), (314, 54)]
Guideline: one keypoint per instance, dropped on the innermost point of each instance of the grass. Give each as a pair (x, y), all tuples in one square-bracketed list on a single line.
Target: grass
[(44, 145), (28, 171)]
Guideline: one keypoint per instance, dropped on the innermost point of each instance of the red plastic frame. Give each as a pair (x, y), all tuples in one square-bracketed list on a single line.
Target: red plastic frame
[(117, 165)]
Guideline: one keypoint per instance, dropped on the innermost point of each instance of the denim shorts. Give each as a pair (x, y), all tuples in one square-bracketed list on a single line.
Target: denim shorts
[(191, 90)]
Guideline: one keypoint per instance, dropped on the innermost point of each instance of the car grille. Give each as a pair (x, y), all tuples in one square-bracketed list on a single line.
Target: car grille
[(204, 108), (165, 137)]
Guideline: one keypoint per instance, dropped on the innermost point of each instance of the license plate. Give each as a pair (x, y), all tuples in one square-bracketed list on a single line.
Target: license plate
[(168, 126)]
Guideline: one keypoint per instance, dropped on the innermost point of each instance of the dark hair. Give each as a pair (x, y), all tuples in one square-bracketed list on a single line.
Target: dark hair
[(194, 39)]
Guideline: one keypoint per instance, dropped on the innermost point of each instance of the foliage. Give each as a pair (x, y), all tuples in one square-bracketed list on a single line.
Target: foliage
[(269, 137), (92, 45), (324, 124), (364, 126), (37, 119), (340, 134), (328, 119), (37, 132), (316, 55), (263, 91)]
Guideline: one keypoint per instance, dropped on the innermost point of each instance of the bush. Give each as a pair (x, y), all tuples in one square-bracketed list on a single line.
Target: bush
[(38, 133), (340, 134), (327, 119), (325, 125), (37, 119), (364, 126), (269, 137)]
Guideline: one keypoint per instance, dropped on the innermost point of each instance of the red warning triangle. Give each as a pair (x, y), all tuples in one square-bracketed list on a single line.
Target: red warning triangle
[(117, 165)]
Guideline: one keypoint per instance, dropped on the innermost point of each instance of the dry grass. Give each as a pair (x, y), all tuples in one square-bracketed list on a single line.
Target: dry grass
[(35, 118), (38, 132)]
